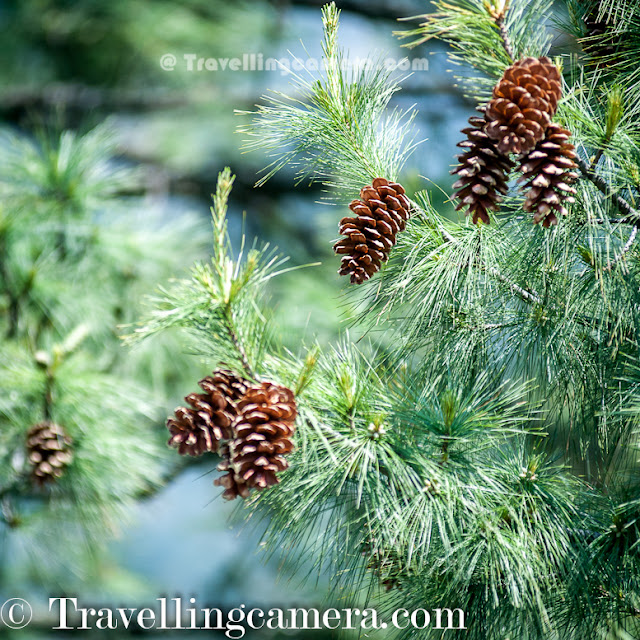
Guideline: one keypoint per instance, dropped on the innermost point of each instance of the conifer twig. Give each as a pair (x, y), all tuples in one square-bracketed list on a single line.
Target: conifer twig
[(625, 249), (498, 10), (605, 189), (233, 336), (504, 36), (631, 214)]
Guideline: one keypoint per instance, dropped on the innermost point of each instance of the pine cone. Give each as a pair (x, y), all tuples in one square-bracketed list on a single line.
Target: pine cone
[(48, 451), (524, 102), (263, 430), (546, 172), (381, 213), (208, 421), (482, 174)]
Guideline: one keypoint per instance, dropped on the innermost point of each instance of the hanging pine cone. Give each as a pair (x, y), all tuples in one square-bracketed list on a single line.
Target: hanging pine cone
[(48, 452), (547, 173), (208, 420), (381, 213), (482, 174), (524, 102), (262, 437)]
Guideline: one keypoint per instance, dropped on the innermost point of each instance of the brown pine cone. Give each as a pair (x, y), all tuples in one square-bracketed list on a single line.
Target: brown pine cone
[(482, 174), (208, 420), (48, 452), (263, 433), (524, 102), (381, 213), (547, 173)]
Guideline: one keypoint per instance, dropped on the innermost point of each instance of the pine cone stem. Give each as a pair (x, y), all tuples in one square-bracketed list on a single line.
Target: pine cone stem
[(504, 36), (233, 336), (605, 189)]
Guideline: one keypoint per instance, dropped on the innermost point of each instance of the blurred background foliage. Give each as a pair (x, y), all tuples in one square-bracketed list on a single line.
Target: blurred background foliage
[(111, 160)]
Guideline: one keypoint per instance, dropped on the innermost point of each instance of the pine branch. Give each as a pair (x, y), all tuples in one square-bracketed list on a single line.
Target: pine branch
[(527, 296), (237, 343), (606, 190), (625, 249), (504, 35), (477, 30)]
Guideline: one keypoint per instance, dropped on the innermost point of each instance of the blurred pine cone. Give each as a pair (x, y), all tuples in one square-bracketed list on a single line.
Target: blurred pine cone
[(524, 102), (482, 174), (48, 452), (601, 42), (208, 420), (381, 213), (547, 173), (263, 433)]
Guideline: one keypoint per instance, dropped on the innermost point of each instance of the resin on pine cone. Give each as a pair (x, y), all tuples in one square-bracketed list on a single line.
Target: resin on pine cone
[(482, 173), (547, 174), (524, 102), (48, 451), (263, 432), (208, 419), (381, 213)]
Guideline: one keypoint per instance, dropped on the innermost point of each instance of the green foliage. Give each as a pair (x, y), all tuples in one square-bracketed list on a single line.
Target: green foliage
[(220, 303), (609, 36), (74, 260), (117, 44), (471, 29), (482, 451), (335, 129)]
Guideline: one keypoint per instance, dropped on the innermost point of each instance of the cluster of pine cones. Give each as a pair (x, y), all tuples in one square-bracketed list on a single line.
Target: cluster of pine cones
[(249, 426), (518, 122)]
